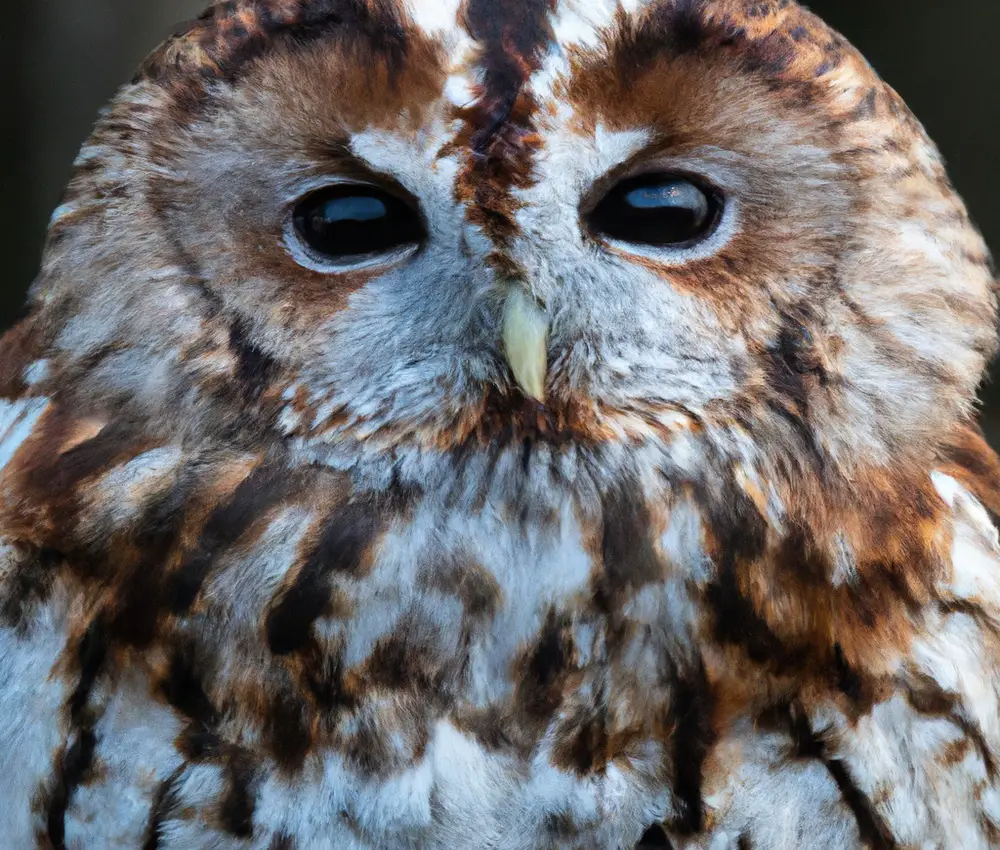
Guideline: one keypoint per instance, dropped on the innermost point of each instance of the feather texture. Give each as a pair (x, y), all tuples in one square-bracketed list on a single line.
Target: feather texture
[(295, 556)]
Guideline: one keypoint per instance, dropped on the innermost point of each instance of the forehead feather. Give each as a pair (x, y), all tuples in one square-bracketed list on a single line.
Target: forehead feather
[(232, 32), (778, 37)]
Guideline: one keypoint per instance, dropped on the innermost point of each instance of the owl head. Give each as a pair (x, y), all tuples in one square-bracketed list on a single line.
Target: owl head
[(403, 227)]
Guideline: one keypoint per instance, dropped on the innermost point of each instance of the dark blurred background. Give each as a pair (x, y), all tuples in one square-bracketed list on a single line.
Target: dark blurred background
[(63, 58)]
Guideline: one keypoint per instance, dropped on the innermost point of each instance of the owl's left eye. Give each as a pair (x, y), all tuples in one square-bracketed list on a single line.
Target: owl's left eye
[(658, 210), (348, 224)]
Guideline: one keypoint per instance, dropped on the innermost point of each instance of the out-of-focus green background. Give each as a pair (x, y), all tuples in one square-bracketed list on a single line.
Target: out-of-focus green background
[(61, 59)]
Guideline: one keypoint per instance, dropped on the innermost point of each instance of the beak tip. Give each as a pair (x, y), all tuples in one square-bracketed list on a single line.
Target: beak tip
[(525, 333), (535, 389)]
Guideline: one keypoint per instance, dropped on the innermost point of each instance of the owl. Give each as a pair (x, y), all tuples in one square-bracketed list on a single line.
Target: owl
[(505, 426)]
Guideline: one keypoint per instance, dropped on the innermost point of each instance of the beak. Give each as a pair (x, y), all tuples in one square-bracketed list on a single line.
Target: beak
[(525, 339)]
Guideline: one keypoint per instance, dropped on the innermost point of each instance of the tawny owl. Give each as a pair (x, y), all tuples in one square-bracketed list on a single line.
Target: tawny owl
[(516, 425)]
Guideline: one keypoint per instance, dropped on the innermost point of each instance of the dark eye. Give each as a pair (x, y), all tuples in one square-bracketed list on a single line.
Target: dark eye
[(349, 222), (663, 210)]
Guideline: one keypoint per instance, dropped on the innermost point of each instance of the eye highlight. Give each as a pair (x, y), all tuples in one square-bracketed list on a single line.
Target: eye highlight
[(350, 223), (660, 210)]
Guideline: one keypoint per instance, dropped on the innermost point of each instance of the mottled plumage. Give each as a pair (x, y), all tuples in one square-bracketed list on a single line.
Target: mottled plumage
[(695, 545)]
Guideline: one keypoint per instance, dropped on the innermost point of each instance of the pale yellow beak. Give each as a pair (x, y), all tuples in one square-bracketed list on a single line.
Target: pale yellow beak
[(525, 339)]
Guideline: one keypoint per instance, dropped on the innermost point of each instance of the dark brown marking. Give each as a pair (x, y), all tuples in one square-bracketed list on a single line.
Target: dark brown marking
[(368, 750), (27, 586), (682, 24), (471, 582), (793, 371), (691, 711), (321, 675), (541, 673), (399, 663), (183, 688), (139, 602), (929, 698), (164, 801), (739, 531), (737, 623), (655, 836), (873, 830), (561, 825), (287, 731), (265, 488), (281, 841), (254, 367), (92, 652), (849, 682), (52, 478), (738, 539), (75, 760), (73, 765), (682, 27), (199, 743), (584, 747), (237, 805), (629, 555), (343, 547), (512, 37), (585, 744)]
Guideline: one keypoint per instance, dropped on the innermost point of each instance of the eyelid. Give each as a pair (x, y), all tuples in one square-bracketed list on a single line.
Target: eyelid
[(727, 172), (303, 256), (318, 183)]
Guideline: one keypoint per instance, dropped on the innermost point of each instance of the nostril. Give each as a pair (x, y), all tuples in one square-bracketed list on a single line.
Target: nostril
[(654, 837)]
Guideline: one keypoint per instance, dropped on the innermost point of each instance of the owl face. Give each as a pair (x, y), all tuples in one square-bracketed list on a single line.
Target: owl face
[(419, 226)]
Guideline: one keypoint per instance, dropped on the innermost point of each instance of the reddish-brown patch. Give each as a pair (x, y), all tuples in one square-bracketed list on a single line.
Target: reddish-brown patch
[(220, 43), (584, 745), (967, 457), (20, 346), (62, 456), (807, 619), (504, 417)]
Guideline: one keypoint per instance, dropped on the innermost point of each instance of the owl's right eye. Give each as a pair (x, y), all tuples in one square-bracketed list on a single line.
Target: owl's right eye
[(350, 224)]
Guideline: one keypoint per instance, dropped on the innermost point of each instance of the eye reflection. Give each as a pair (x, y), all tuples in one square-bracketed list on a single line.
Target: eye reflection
[(661, 210), (350, 221)]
